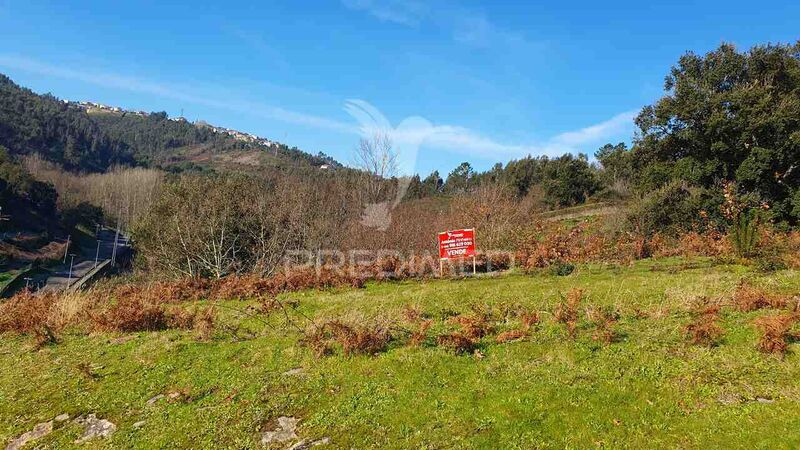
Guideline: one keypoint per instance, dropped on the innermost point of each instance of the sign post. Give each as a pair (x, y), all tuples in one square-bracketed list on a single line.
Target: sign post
[(457, 244)]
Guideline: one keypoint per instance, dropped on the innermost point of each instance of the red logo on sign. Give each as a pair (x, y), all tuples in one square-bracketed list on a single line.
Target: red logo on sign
[(457, 244)]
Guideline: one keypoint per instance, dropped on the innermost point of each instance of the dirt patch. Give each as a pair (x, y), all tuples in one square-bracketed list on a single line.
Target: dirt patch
[(285, 431)]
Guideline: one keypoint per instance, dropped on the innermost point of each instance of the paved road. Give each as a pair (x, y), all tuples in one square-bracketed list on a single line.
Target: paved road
[(60, 278)]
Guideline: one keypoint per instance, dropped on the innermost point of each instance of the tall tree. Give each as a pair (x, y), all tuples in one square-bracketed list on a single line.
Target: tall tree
[(728, 115), (460, 179), (432, 184)]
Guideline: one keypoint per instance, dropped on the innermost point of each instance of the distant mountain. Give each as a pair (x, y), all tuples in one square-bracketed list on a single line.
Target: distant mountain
[(86, 136)]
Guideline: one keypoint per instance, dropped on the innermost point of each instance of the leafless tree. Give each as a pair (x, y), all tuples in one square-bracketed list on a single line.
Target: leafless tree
[(124, 194), (377, 158)]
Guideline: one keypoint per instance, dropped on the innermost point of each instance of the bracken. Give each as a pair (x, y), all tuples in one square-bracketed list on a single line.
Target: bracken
[(775, 334)]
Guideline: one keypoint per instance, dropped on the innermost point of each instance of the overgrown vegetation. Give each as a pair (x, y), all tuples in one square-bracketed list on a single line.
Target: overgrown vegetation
[(408, 345), (265, 268)]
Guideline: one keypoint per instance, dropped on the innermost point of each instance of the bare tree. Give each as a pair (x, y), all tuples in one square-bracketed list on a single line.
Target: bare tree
[(376, 157), (124, 194)]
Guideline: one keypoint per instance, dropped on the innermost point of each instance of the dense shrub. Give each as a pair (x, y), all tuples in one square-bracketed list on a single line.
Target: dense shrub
[(671, 209), (129, 314), (562, 269), (26, 313), (473, 326)]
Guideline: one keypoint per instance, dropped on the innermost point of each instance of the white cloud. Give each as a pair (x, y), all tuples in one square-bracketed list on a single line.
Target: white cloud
[(585, 140), (598, 132), (403, 12), (172, 92), (466, 27), (451, 138)]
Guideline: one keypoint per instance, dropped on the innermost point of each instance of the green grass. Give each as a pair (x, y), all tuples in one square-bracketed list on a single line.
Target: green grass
[(649, 390), (11, 276), (6, 277)]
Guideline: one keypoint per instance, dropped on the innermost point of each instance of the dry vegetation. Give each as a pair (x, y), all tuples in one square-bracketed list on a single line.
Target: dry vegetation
[(705, 328), (567, 311), (456, 342), (749, 298), (122, 193), (775, 332), (353, 338), (510, 336), (604, 321)]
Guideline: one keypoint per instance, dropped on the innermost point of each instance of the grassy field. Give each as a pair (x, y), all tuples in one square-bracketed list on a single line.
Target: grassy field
[(650, 389)]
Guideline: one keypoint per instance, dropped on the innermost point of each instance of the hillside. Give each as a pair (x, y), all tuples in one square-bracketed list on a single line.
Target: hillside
[(648, 388), (81, 136)]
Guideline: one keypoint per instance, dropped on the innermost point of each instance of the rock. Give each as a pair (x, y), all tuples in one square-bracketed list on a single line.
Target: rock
[(284, 432), (727, 398), (62, 417), (95, 428), (306, 444), (173, 395), (764, 400), (303, 444), (294, 372), (152, 401), (139, 424), (41, 429)]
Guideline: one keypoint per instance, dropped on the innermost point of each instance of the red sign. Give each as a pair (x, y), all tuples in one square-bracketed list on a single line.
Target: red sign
[(457, 244)]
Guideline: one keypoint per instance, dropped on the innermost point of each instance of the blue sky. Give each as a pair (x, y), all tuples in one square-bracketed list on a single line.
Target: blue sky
[(488, 81)]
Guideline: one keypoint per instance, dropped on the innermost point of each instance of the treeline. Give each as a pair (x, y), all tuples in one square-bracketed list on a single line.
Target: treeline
[(156, 139), (726, 116), (555, 182), (122, 194), (718, 151)]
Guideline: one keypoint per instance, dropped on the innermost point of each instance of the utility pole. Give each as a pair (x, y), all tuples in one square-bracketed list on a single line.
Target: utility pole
[(114, 250), (66, 250), (69, 278), (97, 253)]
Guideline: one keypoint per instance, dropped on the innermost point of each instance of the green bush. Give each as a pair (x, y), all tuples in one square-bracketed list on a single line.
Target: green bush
[(744, 233), (670, 209), (562, 269), (770, 264)]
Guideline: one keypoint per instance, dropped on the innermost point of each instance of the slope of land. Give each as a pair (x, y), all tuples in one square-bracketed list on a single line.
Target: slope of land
[(86, 137), (648, 389)]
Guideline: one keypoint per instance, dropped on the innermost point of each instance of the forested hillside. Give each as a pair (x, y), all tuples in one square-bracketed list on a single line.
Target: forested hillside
[(61, 133), (32, 123), (25, 201)]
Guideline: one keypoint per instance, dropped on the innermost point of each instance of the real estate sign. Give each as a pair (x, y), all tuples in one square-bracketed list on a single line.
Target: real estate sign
[(457, 244)]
